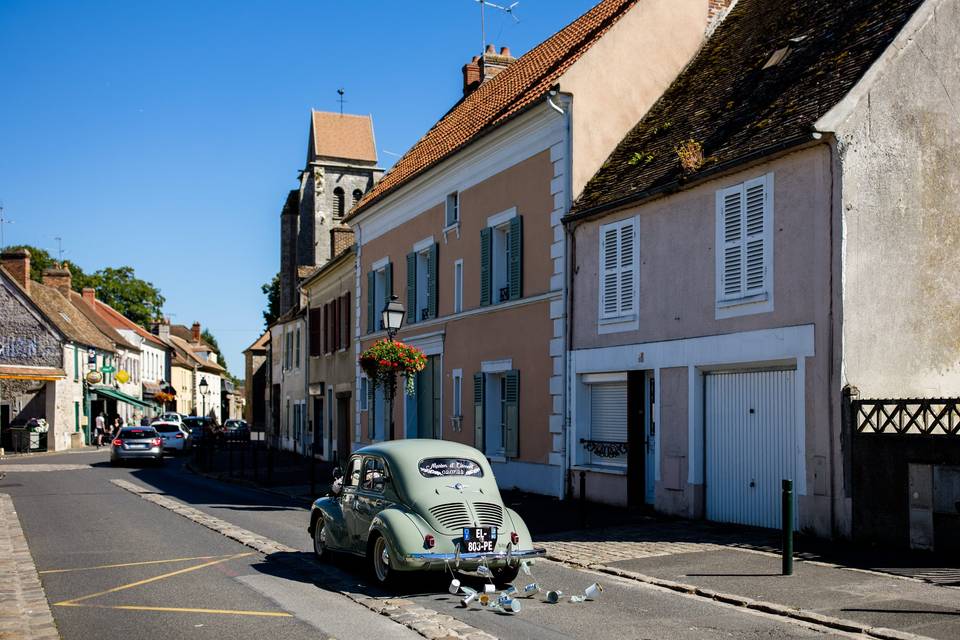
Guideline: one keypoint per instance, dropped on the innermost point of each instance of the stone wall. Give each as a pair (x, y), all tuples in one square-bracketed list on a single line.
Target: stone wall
[(25, 340)]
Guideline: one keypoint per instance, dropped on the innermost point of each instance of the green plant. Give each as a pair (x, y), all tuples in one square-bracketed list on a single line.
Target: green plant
[(640, 158), (387, 358), (690, 153)]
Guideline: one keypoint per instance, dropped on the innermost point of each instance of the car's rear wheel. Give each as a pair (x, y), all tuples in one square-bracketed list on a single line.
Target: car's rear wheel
[(379, 558), (505, 575), (320, 540)]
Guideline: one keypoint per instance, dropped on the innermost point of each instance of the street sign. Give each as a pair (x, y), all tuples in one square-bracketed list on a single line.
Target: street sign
[(122, 376), (107, 368)]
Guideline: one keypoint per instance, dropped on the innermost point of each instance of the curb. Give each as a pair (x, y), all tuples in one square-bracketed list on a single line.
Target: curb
[(430, 624), (840, 624)]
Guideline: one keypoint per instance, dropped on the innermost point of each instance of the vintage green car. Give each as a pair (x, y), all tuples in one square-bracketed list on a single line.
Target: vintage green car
[(410, 505)]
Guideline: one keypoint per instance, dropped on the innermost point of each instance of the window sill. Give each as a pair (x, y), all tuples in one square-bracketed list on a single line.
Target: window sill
[(611, 469), (617, 319), (619, 324), (749, 305), (726, 304)]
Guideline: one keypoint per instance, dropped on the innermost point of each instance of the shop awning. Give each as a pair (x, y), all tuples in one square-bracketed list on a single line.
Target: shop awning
[(120, 396), (16, 372)]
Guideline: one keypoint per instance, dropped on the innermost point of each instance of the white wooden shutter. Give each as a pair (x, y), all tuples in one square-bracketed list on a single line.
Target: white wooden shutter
[(743, 239), (618, 269), (608, 416)]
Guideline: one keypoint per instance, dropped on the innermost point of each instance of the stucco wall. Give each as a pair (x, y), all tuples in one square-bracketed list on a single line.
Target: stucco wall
[(625, 72), (677, 235), (901, 199)]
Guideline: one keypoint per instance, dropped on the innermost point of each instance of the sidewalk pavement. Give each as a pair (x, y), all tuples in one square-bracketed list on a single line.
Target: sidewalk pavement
[(880, 593), (24, 611)]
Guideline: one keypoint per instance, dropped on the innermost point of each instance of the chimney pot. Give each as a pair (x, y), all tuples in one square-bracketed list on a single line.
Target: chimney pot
[(493, 63), (505, 51), (89, 294), (17, 264), (490, 49), (196, 331)]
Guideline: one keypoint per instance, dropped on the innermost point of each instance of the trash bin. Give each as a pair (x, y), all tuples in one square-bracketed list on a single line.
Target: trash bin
[(19, 439)]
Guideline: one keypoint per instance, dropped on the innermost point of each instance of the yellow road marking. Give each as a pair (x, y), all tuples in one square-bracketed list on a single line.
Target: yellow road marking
[(231, 612), (154, 579), (129, 564)]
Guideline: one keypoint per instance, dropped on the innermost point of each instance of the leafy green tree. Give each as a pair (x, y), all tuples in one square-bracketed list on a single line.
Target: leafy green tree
[(208, 337), (40, 260), (136, 299), (272, 291)]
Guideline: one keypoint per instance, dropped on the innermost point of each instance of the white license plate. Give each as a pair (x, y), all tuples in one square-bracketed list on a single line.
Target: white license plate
[(137, 446), (479, 539)]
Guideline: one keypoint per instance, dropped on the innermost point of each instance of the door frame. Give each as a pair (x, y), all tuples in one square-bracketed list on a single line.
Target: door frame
[(636, 438)]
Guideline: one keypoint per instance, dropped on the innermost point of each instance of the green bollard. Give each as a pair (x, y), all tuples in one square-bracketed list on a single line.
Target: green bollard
[(787, 527)]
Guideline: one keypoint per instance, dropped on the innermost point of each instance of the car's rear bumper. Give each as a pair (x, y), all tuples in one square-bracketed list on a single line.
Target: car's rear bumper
[(470, 561), (137, 454)]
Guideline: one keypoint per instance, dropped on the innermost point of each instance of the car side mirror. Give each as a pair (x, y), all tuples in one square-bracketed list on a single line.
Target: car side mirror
[(337, 486), (337, 473)]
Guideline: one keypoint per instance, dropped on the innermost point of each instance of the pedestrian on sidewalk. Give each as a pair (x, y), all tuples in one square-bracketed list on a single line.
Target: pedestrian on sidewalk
[(100, 424)]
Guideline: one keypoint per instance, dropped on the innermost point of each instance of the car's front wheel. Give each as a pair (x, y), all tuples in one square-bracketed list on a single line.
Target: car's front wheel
[(379, 557), (320, 540)]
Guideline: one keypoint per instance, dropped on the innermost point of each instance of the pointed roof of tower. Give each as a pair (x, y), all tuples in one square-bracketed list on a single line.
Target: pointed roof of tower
[(342, 137)]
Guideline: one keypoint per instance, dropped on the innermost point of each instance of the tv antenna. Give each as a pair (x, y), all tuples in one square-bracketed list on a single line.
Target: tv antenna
[(506, 9), (340, 99), (3, 221), (59, 249)]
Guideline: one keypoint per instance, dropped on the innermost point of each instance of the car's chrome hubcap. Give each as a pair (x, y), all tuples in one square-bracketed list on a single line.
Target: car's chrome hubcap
[(320, 540), (381, 559)]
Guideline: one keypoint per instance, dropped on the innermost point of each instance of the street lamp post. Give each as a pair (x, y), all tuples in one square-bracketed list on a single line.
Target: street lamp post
[(392, 319), (204, 390)]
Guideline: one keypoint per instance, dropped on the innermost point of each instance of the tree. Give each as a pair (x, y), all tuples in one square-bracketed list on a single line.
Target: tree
[(208, 337), (272, 291), (136, 299), (41, 260)]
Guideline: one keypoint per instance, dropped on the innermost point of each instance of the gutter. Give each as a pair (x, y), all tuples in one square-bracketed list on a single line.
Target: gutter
[(795, 143)]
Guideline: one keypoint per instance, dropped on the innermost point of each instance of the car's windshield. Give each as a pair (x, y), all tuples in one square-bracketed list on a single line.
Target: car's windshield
[(442, 467), (166, 428), (137, 434)]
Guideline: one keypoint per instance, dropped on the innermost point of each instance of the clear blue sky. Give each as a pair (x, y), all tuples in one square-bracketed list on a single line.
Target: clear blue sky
[(164, 135)]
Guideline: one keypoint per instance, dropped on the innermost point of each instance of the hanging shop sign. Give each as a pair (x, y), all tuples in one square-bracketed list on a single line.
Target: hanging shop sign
[(94, 377)]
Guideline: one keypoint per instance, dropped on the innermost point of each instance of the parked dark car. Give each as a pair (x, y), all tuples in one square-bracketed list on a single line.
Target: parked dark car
[(202, 429), (234, 429), (137, 443)]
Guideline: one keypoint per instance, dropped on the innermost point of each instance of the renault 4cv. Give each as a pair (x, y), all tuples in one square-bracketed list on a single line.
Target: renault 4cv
[(421, 505)]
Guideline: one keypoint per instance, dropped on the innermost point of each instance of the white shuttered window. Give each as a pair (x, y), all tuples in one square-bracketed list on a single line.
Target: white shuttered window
[(608, 417), (619, 266), (745, 241)]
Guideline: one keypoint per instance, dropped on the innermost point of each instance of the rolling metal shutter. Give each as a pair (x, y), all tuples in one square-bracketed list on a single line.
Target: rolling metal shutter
[(608, 416)]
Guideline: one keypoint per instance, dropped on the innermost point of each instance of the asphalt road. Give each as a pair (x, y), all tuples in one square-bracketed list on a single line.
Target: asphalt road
[(79, 520)]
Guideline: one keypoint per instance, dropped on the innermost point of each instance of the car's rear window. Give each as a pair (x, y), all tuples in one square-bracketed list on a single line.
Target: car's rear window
[(440, 467), (166, 428), (137, 434)]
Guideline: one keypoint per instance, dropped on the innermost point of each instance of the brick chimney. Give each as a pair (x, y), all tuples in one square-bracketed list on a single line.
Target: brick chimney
[(196, 331), (471, 75), (58, 278), (493, 62), (717, 10), (89, 295), (17, 264)]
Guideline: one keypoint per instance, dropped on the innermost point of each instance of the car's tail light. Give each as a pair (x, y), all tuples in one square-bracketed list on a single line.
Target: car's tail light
[(429, 541), (514, 538), (118, 442), (179, 436), (156, 442)]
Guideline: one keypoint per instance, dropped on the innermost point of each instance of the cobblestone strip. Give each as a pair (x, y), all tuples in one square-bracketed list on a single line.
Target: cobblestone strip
[(24, 611), (30, 467), (428, 623)]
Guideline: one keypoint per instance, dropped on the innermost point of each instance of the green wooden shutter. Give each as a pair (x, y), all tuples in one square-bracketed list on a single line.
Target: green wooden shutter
[(512, 406), (371, 409), (486, 240), (478, 397), (411, 287), (371, 313), (516, 258), (432, 281)]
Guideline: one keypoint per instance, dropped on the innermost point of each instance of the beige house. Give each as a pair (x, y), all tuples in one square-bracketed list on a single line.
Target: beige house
[(466, 230), (256, 384), (332, 357), (758, 242), (289, 375)]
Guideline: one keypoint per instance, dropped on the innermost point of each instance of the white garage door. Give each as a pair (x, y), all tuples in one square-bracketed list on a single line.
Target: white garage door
[(753, 442)]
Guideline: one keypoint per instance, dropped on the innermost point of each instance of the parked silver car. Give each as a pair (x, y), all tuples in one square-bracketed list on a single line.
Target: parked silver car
[(137, 443)]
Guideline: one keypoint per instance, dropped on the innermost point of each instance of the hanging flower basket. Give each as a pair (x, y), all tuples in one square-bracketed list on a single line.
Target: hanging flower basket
[(386, 359), (164, 397)]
